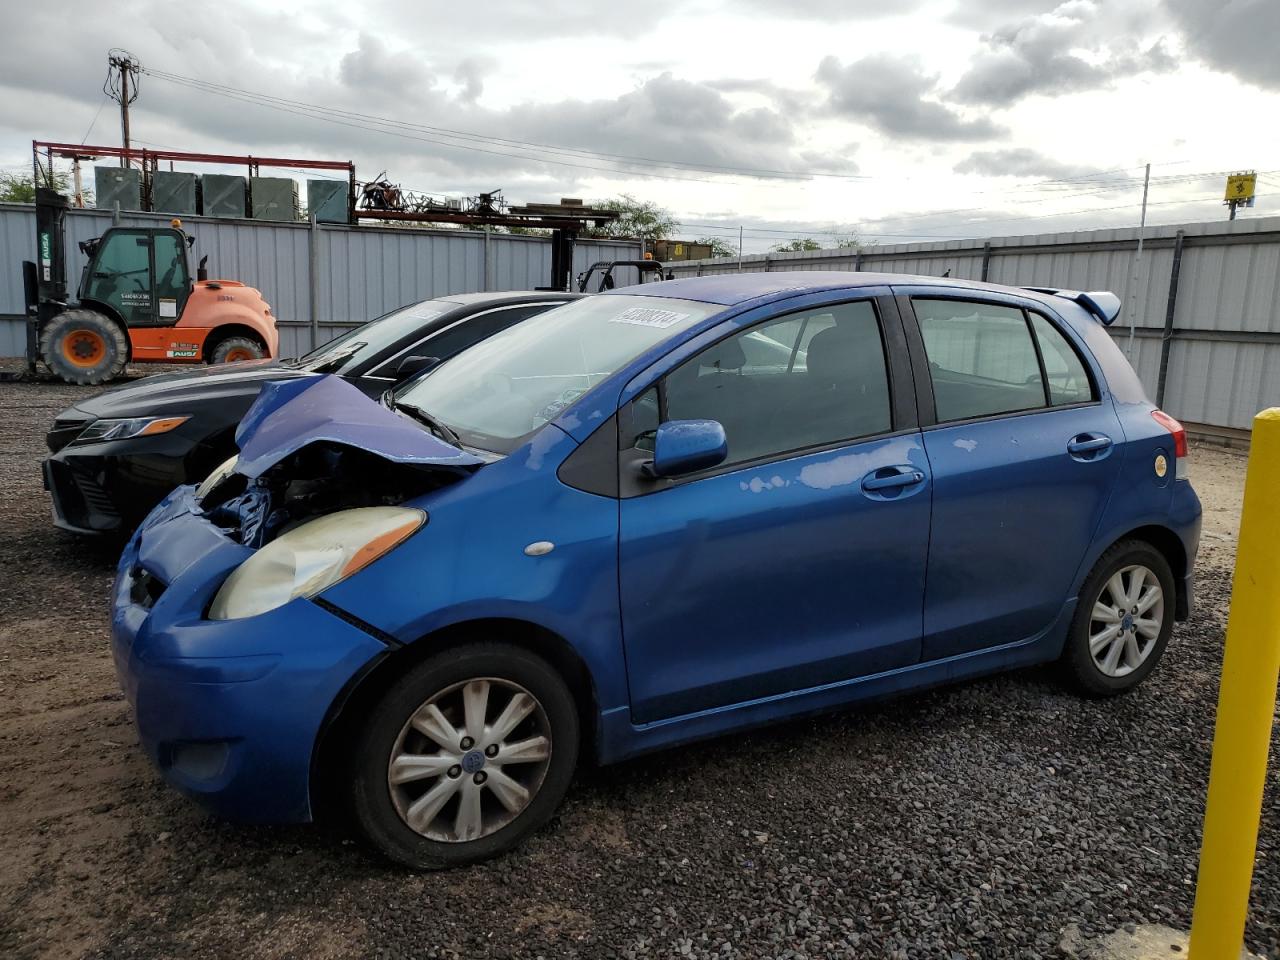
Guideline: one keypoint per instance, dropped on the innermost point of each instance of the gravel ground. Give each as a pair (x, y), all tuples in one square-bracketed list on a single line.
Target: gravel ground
[(977, 821)]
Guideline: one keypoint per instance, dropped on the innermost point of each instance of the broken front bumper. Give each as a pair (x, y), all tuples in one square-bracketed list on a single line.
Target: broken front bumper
[(228, 711)]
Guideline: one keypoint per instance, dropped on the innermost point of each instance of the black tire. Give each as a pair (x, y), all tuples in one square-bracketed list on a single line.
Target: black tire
[(380, 737), (84, 347), (1077, 661), (235, 349)]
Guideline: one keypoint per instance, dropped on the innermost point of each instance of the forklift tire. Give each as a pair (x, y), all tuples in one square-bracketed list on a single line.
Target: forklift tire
[(234, 349), (84, 347)]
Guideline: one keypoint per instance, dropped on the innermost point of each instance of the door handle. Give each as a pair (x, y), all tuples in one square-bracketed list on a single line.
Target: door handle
[(1085, 443), (903, 478)]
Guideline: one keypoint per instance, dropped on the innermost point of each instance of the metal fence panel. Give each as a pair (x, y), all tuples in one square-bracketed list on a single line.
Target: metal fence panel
[(17, 243)]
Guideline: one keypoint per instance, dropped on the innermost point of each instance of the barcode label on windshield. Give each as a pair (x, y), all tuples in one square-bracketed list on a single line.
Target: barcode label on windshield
[(649, 317)]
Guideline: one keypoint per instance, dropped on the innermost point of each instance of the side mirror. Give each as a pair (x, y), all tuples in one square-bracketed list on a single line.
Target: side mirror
[(415, 364), (686, 446)]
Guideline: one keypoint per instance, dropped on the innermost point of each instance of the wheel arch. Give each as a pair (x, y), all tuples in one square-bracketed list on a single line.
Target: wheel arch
[(225, 331), (367, 687), (1171, 547)]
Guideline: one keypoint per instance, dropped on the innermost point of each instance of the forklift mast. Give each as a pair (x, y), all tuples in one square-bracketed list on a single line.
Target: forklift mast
[(45, 280), (51, 227)]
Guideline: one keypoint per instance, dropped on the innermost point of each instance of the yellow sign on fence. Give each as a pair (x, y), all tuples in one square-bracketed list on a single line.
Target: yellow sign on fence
[(1241, 186)]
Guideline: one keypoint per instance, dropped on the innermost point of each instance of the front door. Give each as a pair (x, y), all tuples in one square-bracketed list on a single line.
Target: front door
[(799, 561), (1023, 467), (121, 276)]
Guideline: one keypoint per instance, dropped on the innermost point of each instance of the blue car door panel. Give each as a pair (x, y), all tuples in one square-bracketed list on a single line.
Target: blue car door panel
[(771, 579), (794, 567), (1013, 514)]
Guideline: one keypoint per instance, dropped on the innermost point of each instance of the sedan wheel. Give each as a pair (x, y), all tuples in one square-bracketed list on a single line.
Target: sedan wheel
[(464, 756), (470, 760), (1126, 621), (1123, 620)]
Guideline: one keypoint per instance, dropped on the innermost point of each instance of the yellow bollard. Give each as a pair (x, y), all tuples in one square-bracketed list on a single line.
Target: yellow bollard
[(1246, 707)]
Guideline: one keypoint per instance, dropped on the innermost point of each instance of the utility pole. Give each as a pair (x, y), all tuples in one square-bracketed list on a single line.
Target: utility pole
[(1137, 263), (739, 248), (121, 65)]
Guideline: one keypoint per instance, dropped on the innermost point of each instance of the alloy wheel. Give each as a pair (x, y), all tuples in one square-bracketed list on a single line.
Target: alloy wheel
[(469, 760), (1126, 620)]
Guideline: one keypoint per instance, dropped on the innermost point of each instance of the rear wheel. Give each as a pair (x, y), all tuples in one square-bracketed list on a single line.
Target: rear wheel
[(469, 753), (1123, 621), (84, 347), (235, 349)]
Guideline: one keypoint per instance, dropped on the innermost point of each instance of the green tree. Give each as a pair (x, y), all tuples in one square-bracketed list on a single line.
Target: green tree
[(798, 245), (720, 247), (636, 218), (20, 187)]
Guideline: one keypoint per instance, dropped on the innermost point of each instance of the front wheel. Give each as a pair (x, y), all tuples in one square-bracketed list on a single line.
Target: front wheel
[(1123, 622), (464, 757)]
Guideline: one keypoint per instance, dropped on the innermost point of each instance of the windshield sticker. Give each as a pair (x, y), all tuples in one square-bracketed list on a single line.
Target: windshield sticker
[(649, 317)]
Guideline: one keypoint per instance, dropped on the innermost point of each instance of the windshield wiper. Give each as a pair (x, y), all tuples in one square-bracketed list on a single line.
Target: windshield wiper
[(436, 426)]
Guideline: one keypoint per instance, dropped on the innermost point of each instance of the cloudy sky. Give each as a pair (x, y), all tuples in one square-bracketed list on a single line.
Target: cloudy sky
[(888, 120)]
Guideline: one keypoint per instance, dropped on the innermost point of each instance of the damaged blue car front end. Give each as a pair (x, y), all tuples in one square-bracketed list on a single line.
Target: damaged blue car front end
[(229, 707)]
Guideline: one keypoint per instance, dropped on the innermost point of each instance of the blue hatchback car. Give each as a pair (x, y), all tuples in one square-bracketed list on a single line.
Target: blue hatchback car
[(657, 515)]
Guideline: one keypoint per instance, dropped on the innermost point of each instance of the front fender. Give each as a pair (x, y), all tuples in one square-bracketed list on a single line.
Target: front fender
[(469, 562)]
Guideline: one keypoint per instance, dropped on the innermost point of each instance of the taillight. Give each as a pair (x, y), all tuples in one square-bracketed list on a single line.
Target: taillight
[(1179, 434)]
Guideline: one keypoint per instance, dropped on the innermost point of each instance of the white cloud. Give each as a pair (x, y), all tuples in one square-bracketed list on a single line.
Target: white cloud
[(971, 96)]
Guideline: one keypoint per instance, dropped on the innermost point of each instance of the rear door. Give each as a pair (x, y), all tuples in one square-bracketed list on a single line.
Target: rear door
[(1023, 445)]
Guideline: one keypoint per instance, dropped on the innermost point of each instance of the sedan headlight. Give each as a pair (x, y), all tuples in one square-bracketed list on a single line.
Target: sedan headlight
[(214, 480), (130, 427), (311, 558)]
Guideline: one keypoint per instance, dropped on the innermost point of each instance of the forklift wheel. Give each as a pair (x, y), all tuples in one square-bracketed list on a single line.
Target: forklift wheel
[(233, 349), (83, 346)]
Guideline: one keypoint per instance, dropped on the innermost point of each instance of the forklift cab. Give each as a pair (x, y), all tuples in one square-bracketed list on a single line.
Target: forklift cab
[(139, 274), (650, 271)]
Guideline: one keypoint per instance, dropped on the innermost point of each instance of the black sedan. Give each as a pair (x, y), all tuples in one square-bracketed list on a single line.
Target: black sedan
[(117, 454)]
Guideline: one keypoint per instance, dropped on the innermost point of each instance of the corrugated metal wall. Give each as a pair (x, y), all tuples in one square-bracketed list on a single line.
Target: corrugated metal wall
[(1223, 357), (363, 271), (1224, 352)]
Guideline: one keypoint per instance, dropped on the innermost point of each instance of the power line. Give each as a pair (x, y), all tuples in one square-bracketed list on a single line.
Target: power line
[(374, 122)]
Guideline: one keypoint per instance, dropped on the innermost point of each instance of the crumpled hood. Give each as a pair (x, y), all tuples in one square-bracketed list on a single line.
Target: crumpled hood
[(290, 414)]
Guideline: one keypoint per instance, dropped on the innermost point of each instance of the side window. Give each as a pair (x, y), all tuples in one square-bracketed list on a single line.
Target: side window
[(799, 381), (1066, 372), (122, 276), (461, 335), (982, 360)]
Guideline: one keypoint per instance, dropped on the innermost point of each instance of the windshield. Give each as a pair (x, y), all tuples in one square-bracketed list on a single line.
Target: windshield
[(504, 388), (347, 351)]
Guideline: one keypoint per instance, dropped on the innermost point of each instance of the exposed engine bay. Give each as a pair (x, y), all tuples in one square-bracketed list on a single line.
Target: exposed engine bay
[(320, 478)]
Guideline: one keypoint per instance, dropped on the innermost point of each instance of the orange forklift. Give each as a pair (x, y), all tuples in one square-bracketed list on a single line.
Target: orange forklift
[(136, 303)]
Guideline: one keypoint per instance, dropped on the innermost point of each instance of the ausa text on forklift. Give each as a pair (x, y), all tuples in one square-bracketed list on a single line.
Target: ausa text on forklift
[(136, 303)]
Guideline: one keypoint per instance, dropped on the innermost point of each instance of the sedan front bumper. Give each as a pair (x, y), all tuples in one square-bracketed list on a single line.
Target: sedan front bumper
[(228, 711)]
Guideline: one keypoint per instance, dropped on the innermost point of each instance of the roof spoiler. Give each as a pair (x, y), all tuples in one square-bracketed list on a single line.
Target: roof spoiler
[(1101, 303)]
